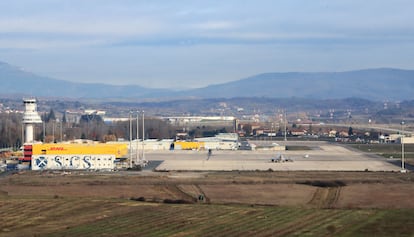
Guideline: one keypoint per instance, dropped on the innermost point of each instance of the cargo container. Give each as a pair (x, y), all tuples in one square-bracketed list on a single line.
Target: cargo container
[(11, 164), (27, 153), (184, 145)]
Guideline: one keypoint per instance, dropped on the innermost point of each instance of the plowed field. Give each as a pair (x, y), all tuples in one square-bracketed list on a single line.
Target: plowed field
[(207, 204)]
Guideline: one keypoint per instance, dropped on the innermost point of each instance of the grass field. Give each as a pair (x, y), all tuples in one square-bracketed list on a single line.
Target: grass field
[(114, 217), (236, 204), (388, 150)]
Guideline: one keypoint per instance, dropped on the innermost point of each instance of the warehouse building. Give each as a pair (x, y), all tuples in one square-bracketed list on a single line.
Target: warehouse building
[(99, 156)]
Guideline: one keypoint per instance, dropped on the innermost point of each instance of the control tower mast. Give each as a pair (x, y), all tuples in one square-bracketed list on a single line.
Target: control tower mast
[(30, 118)]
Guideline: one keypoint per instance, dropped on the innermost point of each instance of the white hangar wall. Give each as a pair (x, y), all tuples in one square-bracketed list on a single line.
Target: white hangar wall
[(73, 162)]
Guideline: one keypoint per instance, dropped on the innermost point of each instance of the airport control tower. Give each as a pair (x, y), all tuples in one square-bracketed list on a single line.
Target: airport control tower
[(30, 118)]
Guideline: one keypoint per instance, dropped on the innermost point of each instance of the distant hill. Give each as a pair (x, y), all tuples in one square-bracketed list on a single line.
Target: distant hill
[(373, 84), (19, 82)]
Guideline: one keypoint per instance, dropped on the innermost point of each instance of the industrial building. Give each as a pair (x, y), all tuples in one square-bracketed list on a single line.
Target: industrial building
[(62, 156), (88, 155), (99, 156)]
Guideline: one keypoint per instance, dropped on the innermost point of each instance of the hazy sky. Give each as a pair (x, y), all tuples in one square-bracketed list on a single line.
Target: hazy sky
[(187, 44)]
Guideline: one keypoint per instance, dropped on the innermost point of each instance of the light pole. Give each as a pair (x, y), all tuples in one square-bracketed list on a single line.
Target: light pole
[(130, 139), (44, 131), (271, 132), (143, 136), (136, 144), (285, 125), (61, 131), (53, 131), (403, 170)]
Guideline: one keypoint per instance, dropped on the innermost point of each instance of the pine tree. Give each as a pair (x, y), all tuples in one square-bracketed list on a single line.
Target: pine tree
[(350, 131), (64, 118), (51, 116)]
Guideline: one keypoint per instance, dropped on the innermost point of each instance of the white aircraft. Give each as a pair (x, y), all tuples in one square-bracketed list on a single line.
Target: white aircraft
[(281, 158)]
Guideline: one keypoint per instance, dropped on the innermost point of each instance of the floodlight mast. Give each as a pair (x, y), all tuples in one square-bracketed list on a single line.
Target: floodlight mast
[(143, 161), (285, 125), (130, 139), (403, 170), (136, 144)]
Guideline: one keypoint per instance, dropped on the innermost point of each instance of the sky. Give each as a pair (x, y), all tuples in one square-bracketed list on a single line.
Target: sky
[(189, 44)]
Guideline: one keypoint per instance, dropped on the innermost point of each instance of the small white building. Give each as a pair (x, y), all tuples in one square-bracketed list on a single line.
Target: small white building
[(406, 140), (222, 141), (73, 162)]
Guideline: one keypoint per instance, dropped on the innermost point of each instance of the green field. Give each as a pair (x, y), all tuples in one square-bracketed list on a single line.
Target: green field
[(388, 150), (384, 148)]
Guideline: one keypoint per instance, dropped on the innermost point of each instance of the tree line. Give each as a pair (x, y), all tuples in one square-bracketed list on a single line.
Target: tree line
[(93, 127), (88, 127)]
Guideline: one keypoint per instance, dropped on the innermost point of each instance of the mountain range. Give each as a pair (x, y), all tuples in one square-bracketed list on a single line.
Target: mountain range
[(373, 84)]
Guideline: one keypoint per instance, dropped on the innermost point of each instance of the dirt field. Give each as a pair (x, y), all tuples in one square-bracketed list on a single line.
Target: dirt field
[(206, 204), (346, 189)]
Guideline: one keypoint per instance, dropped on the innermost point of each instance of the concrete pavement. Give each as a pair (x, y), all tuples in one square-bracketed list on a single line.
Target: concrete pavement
[(323, 157)]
